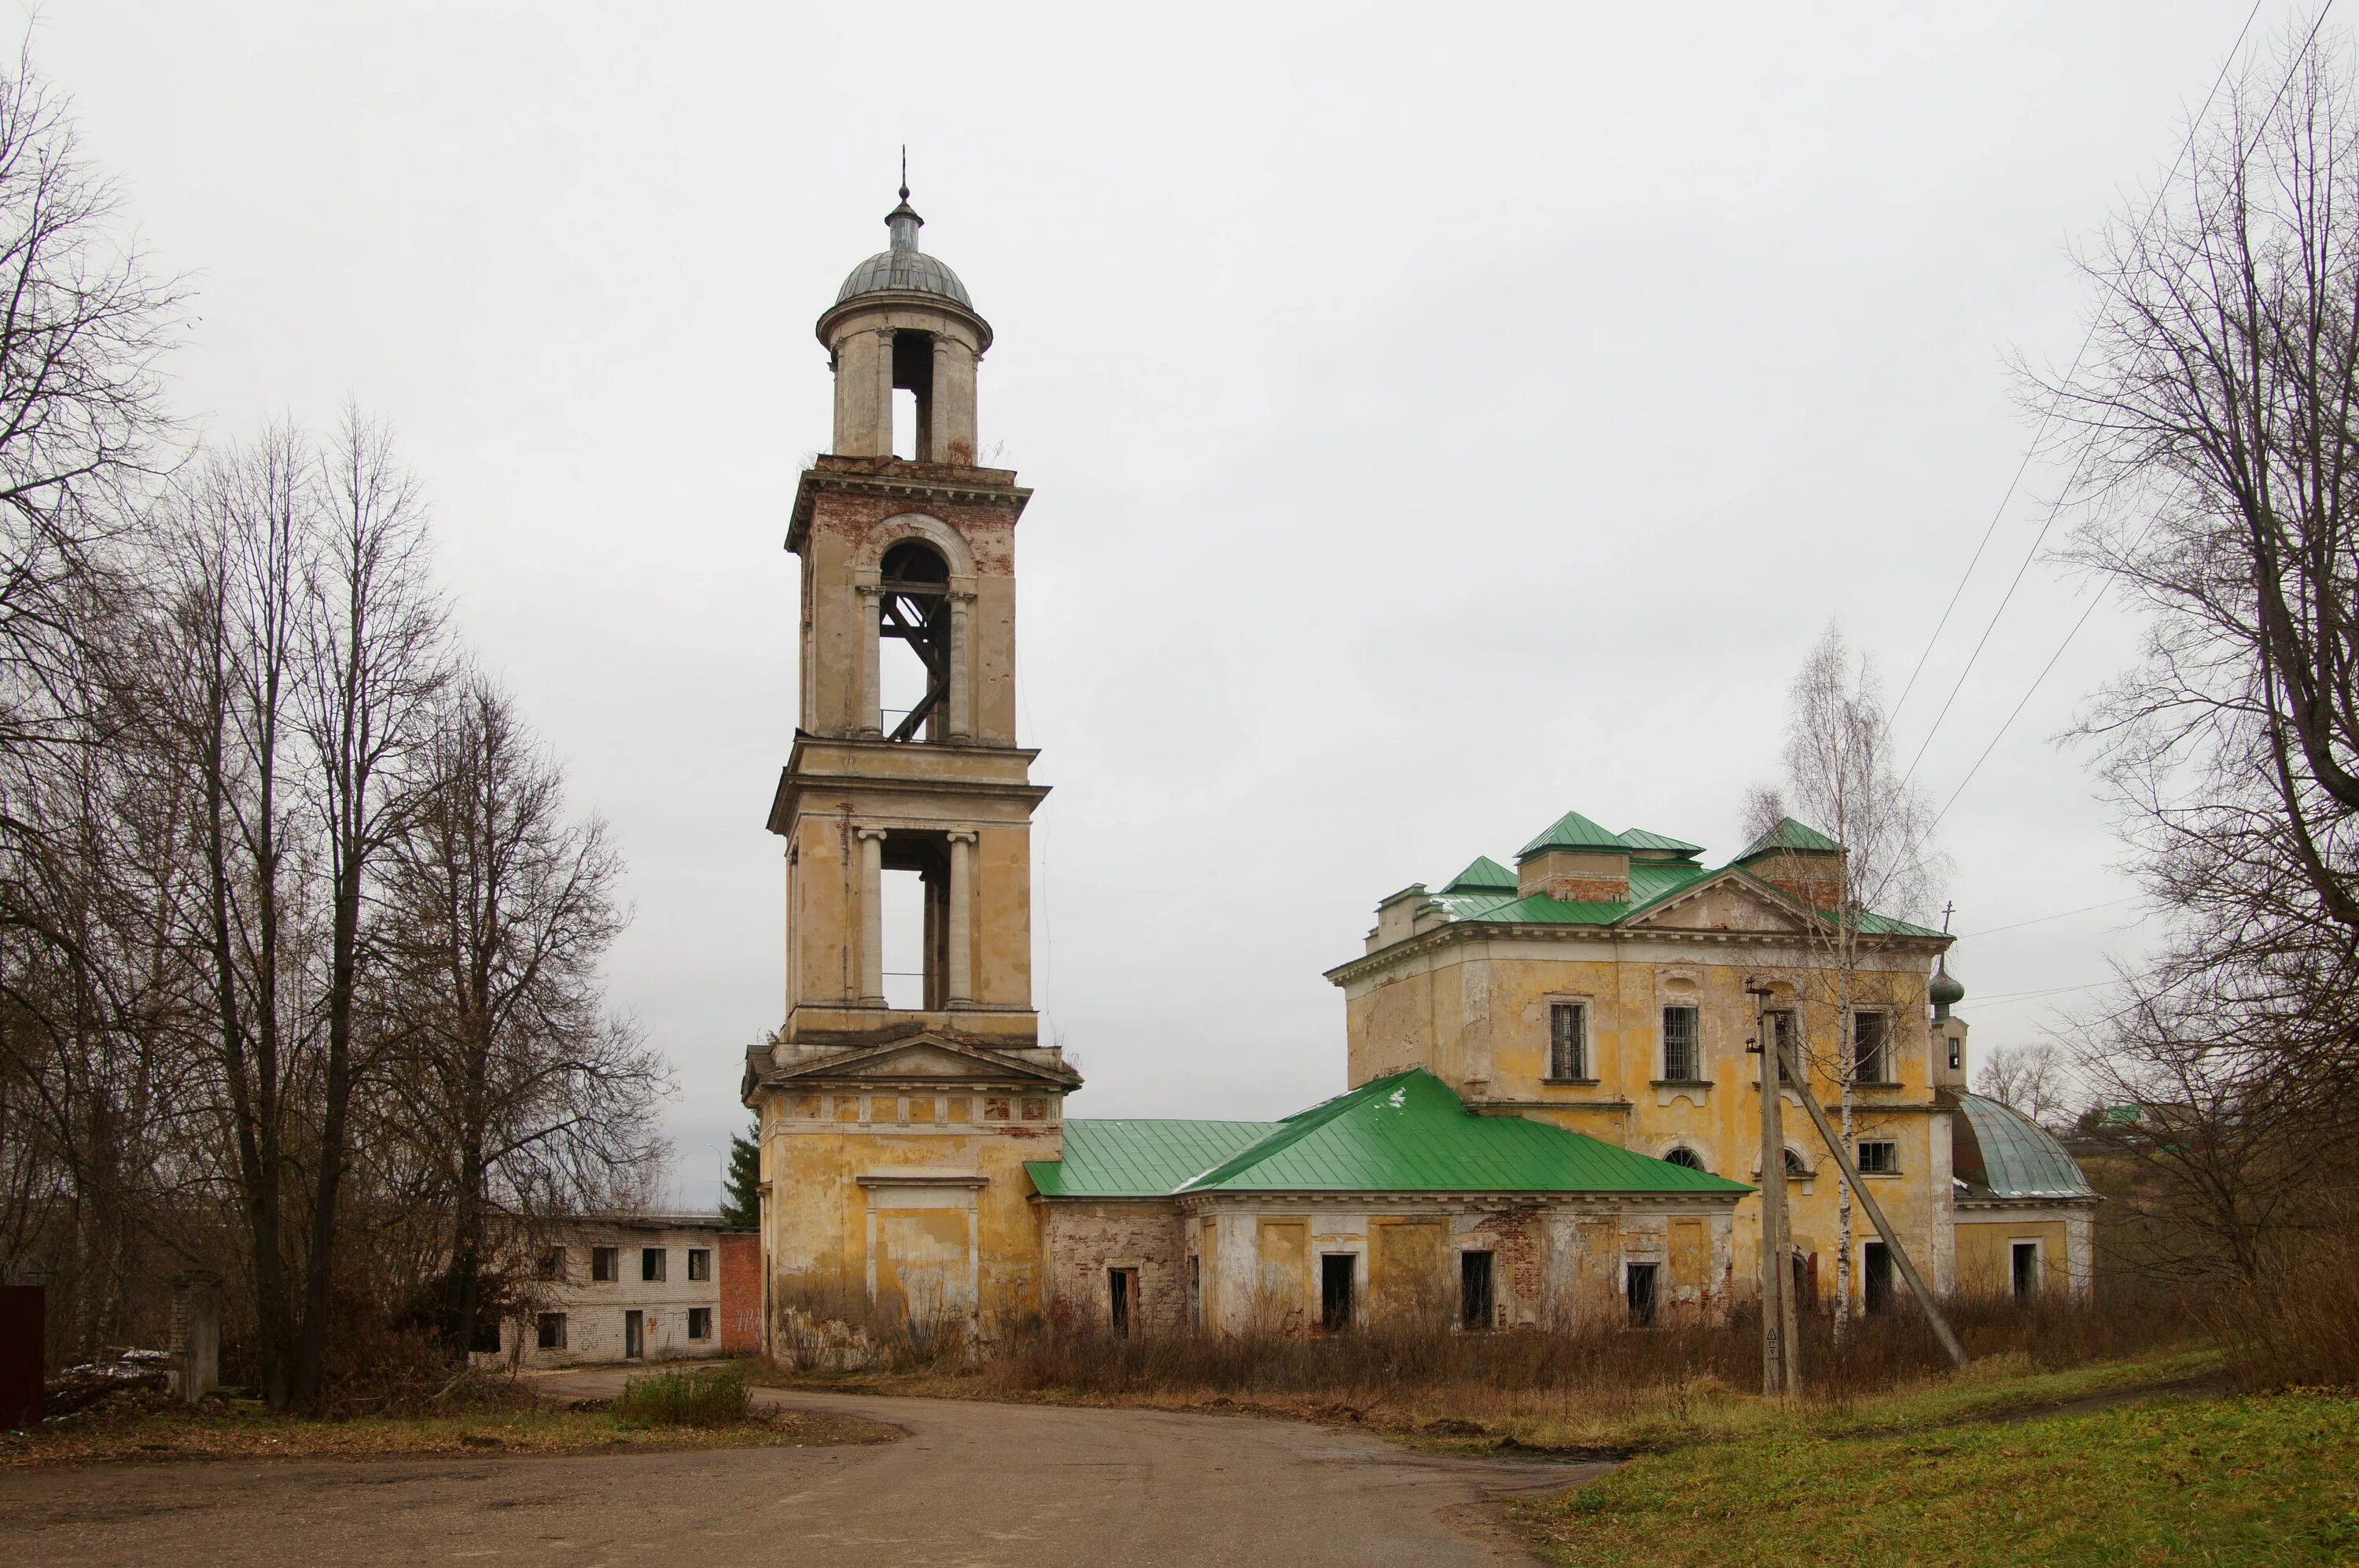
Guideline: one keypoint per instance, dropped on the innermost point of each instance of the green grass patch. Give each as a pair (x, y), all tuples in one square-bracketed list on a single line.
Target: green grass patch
[(2262, 1481), (708, 1396)]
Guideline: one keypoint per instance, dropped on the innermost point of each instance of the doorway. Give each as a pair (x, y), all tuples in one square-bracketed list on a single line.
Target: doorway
[(635, 1338), (1875, 1276), (1641, 1292), (1474, 1293), (2026, 1259), (1122, 1300), (1336, 1270)]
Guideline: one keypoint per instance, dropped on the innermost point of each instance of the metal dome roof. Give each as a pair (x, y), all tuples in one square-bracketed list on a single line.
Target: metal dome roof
[(903, 272), (2012, 1155), (904, 268)]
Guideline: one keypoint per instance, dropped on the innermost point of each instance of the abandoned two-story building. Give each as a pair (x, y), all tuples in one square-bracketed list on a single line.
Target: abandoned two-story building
[(1550, 1117)]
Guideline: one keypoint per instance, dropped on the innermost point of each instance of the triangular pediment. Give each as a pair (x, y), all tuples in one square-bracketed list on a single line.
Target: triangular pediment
[(928, 1058), (1727, 901)]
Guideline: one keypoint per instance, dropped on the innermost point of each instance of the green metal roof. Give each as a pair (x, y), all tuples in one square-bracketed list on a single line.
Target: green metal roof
[(1485, 875), (1405, 1133), (1792, 836), (1999, 1148), (1139, 1158), (1639, 838), (1572, 831)]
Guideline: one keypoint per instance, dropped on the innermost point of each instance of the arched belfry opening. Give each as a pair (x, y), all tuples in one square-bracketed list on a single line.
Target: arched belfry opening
[(913, 640)]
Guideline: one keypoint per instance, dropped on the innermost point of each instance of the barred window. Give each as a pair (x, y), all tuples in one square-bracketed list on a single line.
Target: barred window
[(1569, 1039), (1870, 1037), (1682, 1045)]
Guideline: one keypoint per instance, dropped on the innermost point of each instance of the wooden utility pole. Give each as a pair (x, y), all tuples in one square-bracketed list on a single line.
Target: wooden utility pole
[(1932, 1309), (1776, 1278)]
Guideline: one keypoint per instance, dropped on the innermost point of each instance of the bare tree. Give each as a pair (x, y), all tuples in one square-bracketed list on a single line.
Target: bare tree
[(2028, 1077), (1839, 779), (375, 660), (2217, 431), (512, 1076)]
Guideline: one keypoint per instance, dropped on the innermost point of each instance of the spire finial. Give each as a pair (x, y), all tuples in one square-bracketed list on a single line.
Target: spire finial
[(904, 171)]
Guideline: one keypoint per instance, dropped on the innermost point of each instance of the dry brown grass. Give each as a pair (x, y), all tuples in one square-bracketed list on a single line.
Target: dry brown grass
[(2300, 1330), (1600, 1387)]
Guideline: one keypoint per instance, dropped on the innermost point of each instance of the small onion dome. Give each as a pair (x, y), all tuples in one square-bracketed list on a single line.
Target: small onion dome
[(1944, 992)]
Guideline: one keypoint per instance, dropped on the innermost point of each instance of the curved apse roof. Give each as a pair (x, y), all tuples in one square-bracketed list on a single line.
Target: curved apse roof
[(2013, 1156)]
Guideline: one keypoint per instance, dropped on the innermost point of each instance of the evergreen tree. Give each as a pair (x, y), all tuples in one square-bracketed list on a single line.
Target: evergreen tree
[(741, 1204)]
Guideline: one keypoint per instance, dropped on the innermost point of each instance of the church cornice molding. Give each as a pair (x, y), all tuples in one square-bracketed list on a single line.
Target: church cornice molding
[(1797, 945), (899, 479)]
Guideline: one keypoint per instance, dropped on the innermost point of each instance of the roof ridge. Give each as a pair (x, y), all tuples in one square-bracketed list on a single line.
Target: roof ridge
[(1291, 1130)]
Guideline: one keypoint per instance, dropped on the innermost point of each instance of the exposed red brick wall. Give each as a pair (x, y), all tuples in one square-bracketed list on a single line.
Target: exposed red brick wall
[(1590, 889), (1082, 1239), (741, 1292)]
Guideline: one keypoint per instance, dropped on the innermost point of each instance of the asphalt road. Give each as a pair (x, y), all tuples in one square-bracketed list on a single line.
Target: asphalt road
[(972, 1484)]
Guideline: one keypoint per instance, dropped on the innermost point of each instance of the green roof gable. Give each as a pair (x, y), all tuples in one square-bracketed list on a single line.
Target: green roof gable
[(1485, 875), (1572, 831), (1789, 835)]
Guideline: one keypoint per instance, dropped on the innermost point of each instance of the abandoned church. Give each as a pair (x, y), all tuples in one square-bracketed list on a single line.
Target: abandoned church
[(1551, 1114)]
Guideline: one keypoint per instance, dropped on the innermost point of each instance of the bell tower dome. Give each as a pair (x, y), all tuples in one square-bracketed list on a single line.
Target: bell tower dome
[(898, 1102)]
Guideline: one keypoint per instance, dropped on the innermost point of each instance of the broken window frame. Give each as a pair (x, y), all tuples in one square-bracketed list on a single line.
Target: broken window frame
[(700, 1322), (655, 1265), (699, 1264), (1877, 1157), (605, 1265), (548, 1331)]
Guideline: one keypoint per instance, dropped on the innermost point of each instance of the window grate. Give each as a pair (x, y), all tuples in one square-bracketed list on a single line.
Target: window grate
[(1682, 1045), (1569, 1040)]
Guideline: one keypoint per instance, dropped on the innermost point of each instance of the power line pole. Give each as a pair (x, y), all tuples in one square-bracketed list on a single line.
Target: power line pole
[(1777, 1278)]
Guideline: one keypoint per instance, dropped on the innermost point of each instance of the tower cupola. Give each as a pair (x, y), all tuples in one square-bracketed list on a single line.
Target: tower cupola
[(904, 323)]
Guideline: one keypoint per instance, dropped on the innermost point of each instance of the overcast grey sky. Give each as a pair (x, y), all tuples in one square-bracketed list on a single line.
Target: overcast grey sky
[(1440, 417)]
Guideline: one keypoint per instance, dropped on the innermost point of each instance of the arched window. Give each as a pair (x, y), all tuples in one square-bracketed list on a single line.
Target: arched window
[(1684, 1156), (914, 610), (1794, 1166)]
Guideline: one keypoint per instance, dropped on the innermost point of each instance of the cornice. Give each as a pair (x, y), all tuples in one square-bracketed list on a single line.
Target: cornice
[(905, 480), (1455, 931)]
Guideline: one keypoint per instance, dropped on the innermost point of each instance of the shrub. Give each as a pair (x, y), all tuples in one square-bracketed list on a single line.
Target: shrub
[(709, 1396)]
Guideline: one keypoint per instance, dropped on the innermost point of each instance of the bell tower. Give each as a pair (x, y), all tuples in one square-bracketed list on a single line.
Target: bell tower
[(902, 1096)]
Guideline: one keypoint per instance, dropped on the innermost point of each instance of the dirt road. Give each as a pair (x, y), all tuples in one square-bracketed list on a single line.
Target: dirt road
[(972, 1484)]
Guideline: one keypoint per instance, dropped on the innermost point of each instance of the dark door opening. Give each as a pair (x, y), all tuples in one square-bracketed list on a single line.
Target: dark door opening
[(635, 1338), (1335, 1275), (2027, 1269), (1122, 1299), (1875, 1273), (1474, 1289), (1641, 1290)]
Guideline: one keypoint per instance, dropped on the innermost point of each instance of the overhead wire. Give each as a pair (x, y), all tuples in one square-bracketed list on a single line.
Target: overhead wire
[(2299, 55), (2040, 429)]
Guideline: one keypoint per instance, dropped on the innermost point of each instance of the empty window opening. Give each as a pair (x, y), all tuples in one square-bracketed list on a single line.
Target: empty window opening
[(1335, 1272), (651, 1263), (1879, 1156), (2027, 1269), (548, 1331), (552, 1263), (913, 395), (1122, 1300), (1474, 1293), (634, 1334), (601, 1265), (1806, 1281), (1640, 1288), (1875, 1276), (1195, 1291), (700, 1322), (1682, 1045), (1687, 1157), (917, 921), (1957, 1054), (913, 643), (486, 1338), (1870, 1053), (1569, 1040), (700, 1263)]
